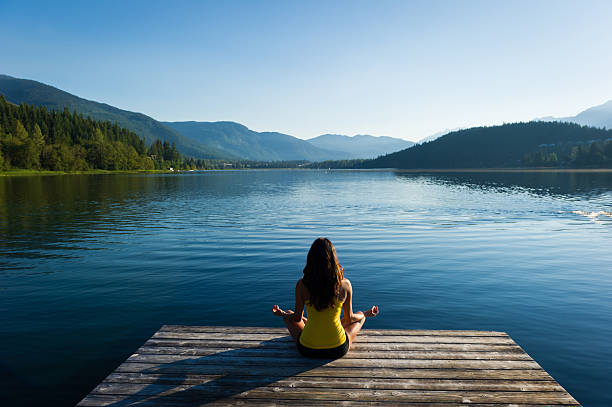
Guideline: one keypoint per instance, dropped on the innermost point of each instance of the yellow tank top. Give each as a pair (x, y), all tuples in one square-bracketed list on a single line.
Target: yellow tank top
[(323, 329)]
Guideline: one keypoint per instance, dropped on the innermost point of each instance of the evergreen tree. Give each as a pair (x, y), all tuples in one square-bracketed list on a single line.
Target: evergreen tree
[(35, 146)]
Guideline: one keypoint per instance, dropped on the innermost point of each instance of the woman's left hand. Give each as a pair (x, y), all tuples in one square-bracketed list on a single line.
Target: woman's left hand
[(372, 312)]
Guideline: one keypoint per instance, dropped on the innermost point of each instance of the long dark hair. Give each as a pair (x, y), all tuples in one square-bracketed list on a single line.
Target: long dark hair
[(322, 274)]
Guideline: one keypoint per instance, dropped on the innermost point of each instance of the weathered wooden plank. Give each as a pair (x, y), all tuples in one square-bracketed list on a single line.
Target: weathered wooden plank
[(342, 362), (262, 402), (326, 371), (365, 332), (338, 383), (291, 352), (98, 400), (335, 403), (212, 391), (362, 339), (357, 346)]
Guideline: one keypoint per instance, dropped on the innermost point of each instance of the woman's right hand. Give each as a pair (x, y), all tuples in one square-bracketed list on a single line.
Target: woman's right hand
[(372, 312), (279, 312), (276, 310)]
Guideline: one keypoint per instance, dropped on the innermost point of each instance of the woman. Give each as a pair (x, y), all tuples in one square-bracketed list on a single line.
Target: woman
[(325, 293)]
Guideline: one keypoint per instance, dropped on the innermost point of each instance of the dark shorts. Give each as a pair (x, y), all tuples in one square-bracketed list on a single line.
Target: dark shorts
[(331, 353)]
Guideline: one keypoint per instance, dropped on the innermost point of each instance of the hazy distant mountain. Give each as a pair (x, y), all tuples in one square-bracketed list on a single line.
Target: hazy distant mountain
[(596, 116), (38, 94), (240, 141), (492, 147), (437, 135), (360, 146)]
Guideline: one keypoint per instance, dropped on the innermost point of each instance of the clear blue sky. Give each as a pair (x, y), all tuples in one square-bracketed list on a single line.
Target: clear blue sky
[(398, 68)]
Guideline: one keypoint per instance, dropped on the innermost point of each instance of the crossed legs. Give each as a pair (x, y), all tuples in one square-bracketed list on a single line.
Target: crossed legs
[(352, 329)]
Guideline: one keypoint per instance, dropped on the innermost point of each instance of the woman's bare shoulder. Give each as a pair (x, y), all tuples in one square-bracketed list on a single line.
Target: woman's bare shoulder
[(345, 289), (301, 287)]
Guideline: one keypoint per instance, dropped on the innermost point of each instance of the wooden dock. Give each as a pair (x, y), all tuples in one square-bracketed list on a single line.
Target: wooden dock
[(226, 366)]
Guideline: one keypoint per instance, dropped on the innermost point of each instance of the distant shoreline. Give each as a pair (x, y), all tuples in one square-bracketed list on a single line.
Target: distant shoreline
[(450, 170), (19, 173), (542, 169)]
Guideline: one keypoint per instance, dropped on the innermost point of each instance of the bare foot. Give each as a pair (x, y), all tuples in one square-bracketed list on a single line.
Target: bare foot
[(372, 312)]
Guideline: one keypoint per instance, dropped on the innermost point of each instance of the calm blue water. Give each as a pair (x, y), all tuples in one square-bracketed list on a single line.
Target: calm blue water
[(91, 266)]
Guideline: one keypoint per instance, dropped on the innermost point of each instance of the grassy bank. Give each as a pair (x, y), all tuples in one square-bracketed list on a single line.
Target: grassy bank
[(18, 172)]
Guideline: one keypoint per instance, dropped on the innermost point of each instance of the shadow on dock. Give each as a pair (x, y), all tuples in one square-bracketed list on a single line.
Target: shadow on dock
[(175, 384)]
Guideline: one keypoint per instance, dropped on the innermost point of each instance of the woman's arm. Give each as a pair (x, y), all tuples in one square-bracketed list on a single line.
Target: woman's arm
[(349, 316), (290, 315), (299, 302)]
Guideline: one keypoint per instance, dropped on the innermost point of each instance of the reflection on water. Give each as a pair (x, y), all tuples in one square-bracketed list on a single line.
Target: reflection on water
[(562, 184), (594, 215), (50, 216), (92, 265)]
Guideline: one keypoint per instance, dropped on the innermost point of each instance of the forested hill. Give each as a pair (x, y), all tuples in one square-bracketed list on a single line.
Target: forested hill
[(508, 145), (38, 94), (36, 138)]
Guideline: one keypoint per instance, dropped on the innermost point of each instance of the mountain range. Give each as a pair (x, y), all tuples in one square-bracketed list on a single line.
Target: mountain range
[(234, 141), (240, 141), (596, 116), (361, 145), (208, 140)]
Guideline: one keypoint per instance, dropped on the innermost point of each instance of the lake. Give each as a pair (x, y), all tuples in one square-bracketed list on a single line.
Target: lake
[(92, 265)]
